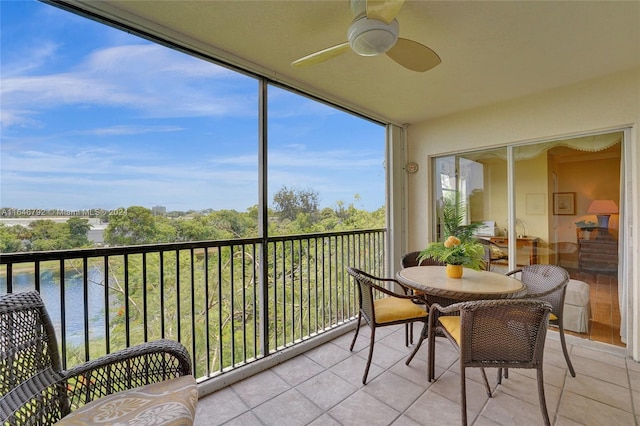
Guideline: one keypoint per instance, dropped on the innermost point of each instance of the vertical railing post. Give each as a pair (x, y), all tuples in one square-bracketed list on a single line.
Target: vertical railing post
[(127, 306), (263, 224), (10, 278), (207, 343), (107, 315), (85, 304), (63, 318)]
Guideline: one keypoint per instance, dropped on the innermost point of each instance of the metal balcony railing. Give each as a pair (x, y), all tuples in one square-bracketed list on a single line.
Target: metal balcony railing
[(229, 302)]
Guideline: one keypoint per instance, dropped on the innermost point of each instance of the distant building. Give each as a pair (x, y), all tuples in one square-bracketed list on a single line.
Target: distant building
[(95, 234), (159, 210)]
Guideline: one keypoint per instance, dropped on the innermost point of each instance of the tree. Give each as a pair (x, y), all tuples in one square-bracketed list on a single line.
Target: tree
[(289, 202), (196, 228), (235, 224), (136, 225), (9, 240), (78, 232), (49, 235)]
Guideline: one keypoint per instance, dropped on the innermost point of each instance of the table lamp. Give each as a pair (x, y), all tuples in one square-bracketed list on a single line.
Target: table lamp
[(603, 209)]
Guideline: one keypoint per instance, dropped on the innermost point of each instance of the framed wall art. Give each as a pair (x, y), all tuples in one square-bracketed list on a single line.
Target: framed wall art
[(535, 204), (564, 203)]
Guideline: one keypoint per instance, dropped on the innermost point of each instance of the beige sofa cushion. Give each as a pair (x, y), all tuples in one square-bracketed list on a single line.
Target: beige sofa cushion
[(577, 293), (171, 402), (577, 309)]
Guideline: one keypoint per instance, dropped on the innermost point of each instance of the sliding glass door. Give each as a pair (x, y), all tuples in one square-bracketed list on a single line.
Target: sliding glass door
[(477, 182), (554, 202)]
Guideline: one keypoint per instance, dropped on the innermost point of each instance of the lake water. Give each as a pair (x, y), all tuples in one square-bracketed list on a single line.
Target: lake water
[(74, 301)]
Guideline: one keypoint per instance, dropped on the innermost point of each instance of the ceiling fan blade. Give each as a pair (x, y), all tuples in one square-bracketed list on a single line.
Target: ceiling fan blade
[(322, 55), (413, 55), (383, 10)]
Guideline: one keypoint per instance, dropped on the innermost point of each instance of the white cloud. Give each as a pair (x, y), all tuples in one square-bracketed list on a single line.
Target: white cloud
[(20, 64), (128, 130), (18, 118), (150, 79), (333, 160)]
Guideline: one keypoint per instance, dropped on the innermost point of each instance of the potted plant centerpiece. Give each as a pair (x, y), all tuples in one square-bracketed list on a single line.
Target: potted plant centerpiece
[(460, 247)]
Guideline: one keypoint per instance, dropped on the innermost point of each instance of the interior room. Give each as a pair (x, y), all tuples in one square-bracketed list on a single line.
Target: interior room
[(558, 186)]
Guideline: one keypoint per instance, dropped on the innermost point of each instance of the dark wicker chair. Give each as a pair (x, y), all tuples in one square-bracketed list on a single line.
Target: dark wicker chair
[(35, 389), (383, 311), (411, 259), (507, 333), (493, 253), (548, 283)]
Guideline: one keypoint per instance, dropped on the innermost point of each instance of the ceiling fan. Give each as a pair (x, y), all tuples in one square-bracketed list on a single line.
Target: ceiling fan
[(374, 31)]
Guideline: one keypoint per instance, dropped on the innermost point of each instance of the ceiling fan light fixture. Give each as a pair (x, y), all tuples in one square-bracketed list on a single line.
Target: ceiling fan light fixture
[(374, 31), (370, 37)]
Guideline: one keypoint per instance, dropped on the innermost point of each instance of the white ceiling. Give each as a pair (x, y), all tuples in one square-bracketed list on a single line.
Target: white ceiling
[(491, 50)]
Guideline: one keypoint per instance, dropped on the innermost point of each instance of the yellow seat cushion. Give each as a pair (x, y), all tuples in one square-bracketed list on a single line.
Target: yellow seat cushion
[(452, 325), (391, 309), (553, 317)]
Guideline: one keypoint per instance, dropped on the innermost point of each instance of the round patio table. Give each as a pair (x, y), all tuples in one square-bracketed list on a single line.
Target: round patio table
[(474, 285), (435, 287)]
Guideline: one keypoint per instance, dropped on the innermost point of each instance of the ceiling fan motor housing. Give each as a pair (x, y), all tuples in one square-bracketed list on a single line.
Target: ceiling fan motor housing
[(370, 37)]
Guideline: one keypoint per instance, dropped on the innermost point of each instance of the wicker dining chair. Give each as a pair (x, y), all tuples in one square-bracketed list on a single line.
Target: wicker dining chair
[(505, 333), (548, 283), (493, 253), (35, 389), (396, 308), (411, 259)]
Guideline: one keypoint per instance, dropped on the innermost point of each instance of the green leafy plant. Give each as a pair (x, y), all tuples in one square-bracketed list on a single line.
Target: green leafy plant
[(454, 251), (460, 246), (453, 214)]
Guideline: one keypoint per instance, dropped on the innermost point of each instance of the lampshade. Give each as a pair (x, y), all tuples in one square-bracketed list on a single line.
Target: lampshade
[(603, 207)]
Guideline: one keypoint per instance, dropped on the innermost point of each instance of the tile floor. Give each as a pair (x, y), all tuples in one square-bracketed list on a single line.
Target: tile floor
[(323, 387)]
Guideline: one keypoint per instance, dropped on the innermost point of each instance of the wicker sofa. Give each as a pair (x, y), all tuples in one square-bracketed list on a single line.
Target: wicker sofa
[(149, 383)]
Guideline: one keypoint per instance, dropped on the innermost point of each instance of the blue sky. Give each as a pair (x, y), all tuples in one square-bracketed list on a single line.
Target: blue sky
[(93, 117)]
